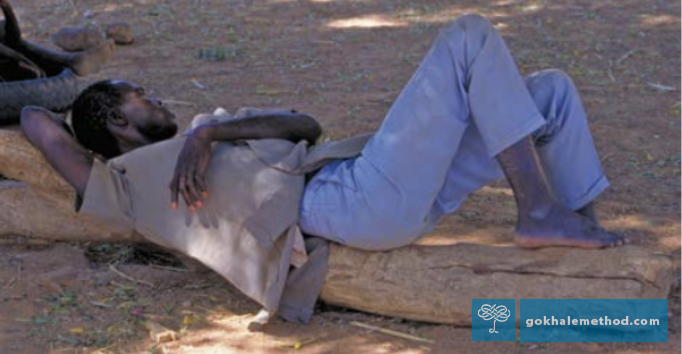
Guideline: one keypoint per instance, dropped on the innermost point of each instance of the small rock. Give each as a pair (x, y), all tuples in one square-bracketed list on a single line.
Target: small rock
[(88, 14), (121, 33), (73, 39)]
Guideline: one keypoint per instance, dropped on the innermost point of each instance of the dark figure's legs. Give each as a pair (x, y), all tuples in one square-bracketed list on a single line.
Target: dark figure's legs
[(42, 61), (82, 63), (12, 33), (14, 61), (464, 107)]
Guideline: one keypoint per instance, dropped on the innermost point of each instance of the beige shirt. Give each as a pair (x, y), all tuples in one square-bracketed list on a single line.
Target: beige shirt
[(247, 229)]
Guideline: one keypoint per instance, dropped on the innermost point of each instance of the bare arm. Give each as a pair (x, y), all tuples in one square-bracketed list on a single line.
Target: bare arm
[(188, 178), (48, 134), (279, 124)]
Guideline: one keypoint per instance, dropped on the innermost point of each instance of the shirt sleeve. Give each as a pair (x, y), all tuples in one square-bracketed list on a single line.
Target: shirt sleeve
[(108, 198)]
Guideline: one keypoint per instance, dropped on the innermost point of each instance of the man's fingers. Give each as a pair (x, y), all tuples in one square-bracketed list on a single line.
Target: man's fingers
[(194, 193), (184, 190), (173, 186), (201, 182), (192, 186)]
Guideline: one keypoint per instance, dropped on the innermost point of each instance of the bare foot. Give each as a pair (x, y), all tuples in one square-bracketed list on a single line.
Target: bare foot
[(91, 60), (75, 39), (563, 227), (589, 212)]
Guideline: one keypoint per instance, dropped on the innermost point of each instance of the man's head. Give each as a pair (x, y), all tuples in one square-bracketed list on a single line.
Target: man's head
[(113, 117)]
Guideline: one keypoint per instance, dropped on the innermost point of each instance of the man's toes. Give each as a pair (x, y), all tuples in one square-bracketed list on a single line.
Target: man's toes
[(618, 240)]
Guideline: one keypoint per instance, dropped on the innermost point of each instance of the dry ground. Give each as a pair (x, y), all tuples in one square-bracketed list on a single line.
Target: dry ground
[(344, 62)]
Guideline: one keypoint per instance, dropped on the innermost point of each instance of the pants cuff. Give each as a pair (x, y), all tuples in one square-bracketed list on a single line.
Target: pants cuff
[(595, 190)]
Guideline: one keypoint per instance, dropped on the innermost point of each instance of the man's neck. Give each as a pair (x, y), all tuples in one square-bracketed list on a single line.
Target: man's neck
[(128, 146)]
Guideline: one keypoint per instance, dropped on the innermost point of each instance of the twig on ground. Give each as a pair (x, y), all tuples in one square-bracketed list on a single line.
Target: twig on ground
[(390, 332), (9, 283), (198, 85), (660, 87), (101, 304), (625, 56), (609, 72), (121, 274)]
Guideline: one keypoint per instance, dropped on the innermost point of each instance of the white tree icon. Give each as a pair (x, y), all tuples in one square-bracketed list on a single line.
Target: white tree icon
[(499, 313)]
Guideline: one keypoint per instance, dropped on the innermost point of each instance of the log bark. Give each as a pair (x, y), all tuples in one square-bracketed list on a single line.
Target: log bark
[(21, 162), (27, 212), (425, 283), (437, 283)]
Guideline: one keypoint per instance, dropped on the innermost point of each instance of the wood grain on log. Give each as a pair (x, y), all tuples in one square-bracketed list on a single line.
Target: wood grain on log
[(27, 212), (20, 161), (437, 283)]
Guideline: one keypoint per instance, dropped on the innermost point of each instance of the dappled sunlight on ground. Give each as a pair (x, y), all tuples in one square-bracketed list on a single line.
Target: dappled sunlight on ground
[(365, 22), (649, 21)]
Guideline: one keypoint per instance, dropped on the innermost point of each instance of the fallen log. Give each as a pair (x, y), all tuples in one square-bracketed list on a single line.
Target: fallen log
[(425, 283), (27, 212), (20, 161), (437, 283)]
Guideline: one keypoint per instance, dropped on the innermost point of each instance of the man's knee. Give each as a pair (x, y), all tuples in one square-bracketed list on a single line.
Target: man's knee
[(470, 24), (553, 91), (554, 80), (385, 230), (399, 230)]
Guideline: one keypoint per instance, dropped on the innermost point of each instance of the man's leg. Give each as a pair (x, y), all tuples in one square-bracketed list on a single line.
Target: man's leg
[(541, 220), (569, 163), (568, 166), (564, 145), (383, 198)]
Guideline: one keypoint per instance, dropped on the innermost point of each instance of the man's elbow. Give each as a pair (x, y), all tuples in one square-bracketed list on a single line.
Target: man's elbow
[(28, 116), (314, 131), (311, 129)]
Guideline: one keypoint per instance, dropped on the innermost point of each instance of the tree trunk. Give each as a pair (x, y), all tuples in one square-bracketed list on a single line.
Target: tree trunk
[(425, 283)]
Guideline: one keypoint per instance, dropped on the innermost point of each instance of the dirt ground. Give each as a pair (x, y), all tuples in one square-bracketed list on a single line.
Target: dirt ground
[(344, 61)]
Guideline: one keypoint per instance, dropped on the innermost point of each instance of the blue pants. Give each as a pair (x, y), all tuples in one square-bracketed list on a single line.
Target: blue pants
[(465, 103)]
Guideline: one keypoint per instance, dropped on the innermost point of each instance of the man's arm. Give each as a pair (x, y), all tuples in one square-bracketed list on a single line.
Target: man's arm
[(50, 136), (278, 124), (188, 178)]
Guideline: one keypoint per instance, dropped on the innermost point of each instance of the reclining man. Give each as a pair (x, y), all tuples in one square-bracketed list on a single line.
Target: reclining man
[(465, 118)]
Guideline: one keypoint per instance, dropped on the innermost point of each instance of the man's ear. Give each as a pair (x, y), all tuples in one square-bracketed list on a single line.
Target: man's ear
[(117, 120)]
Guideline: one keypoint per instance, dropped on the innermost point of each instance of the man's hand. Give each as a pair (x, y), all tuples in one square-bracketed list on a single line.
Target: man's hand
[(195, 154), (190, 170)]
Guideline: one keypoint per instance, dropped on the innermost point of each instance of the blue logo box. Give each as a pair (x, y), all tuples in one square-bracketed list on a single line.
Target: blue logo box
[(594, 320), (493, 319)]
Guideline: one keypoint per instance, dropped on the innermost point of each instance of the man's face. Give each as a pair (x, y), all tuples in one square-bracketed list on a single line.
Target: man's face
[(148, 115)]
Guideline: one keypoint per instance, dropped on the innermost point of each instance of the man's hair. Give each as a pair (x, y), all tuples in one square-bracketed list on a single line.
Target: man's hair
[(91, 110)]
